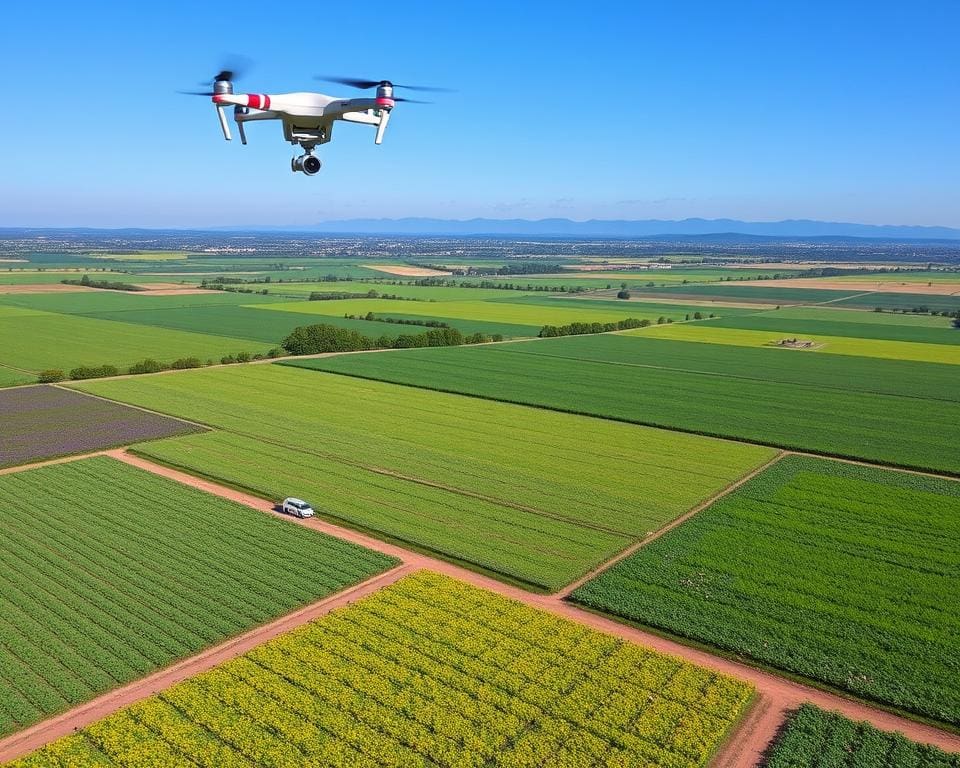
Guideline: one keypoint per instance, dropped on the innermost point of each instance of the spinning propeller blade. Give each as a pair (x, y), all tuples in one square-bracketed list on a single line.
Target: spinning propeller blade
[(365, 84)]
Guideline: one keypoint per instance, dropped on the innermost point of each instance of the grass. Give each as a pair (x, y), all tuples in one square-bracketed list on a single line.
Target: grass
[(428, 671), (832, 571), (114, 302), (888, 411), (554, 313), (813, 737), (938, 331), (10, 377), (425, 292), (712, 333), (535, 495), (96, 594), (731, 291), (905, 301), (36, 341)]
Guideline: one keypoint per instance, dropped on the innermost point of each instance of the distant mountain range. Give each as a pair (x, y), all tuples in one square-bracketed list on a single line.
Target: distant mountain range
[(660, 228)]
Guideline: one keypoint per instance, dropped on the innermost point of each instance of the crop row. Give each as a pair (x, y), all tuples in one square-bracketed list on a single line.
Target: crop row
[(833, 404), (130, 571), (813, 738), (828, 570), (428, 671)]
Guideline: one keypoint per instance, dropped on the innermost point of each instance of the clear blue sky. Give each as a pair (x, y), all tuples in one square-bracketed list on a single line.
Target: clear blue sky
[(756, 110)]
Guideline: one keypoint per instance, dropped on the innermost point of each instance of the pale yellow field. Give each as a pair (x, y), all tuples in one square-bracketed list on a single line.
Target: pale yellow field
[(837, 345)]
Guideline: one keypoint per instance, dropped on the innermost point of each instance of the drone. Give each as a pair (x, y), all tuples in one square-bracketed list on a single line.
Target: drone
[(307, 117)]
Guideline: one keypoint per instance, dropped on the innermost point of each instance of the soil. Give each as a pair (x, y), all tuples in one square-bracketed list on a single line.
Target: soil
[(746, 746), (407, 271)]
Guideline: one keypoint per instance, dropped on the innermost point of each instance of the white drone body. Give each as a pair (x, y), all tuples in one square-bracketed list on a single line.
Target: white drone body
[(307, 117)]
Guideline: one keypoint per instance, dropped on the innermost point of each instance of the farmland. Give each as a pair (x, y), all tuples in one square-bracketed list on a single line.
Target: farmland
[(832, 571), (428, 671), (839, 405), (732, 291), (815, 322), (905, 301), (814, 738), (527, 313), (37, 340), (10, 377), (41, 422), (119, 589), (708, 333), (456, 467)]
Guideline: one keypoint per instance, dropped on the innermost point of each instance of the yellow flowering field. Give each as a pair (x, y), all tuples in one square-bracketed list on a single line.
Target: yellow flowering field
[(429, 671)]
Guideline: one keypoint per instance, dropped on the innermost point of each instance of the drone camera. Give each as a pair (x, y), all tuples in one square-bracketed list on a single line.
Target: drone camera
[(308, 164)]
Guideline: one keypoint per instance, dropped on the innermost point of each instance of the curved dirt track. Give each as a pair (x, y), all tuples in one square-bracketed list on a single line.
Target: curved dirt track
[(776, 696)]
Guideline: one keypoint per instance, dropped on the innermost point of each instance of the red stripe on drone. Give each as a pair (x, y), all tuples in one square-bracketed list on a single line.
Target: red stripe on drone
[(253, 100)]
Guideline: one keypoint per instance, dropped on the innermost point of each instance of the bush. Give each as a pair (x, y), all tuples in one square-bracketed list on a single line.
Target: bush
[(227, 360), (147, 366), (315, 339), (186, 362), (243, 357), (93, 371), (275, 352), (51, 376), (623, 294)]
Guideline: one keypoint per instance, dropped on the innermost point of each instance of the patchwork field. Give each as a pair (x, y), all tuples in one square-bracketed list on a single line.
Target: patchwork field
[(527, 313), (833, 571), (128, 572), (512, 489), (795, 293), (905, 301), (37, 340), (810, 322), (41, 422), (815, 738), (709, 333), (834, 404), (428, 671)]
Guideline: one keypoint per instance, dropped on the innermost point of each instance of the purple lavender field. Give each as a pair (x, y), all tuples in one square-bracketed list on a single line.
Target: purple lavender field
[(41, 422)]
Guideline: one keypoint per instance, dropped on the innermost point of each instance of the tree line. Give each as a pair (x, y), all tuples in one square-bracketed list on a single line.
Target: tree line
[(322, 337)]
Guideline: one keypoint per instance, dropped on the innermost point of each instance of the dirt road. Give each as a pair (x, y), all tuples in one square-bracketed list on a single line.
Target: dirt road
[(776, 695)]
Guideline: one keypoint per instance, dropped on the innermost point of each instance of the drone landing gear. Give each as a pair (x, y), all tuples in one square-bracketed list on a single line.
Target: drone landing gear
[(308, 163)]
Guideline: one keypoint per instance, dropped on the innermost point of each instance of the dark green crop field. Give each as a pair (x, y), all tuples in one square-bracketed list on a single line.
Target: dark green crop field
[(125, 572), (814, 738), (905, 301), (889, 411), (731, 291), (833, 571), (812, 327)]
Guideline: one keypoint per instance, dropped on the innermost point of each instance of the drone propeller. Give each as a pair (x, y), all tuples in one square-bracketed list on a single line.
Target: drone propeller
[(411, 101), (365, 84), (230, 72)]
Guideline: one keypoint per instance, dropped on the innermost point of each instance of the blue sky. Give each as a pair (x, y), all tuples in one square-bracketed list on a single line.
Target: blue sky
[(756, 110)]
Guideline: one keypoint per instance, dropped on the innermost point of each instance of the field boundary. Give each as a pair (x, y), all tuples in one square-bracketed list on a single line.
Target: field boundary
[(746, 478), (780, 693), (34, 737)]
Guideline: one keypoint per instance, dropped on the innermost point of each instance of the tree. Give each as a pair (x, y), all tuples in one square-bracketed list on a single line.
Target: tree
[(623, 294), (956, 322)]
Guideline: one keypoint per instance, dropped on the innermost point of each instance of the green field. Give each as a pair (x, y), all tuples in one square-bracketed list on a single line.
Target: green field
[(520, 313), (732, 291), (814, 738), (906, 301), (535, 495), (426, 672), (124, 572), (93, 302), (10, 377), (890, 411), (812, 322), (832, 571), (421, 292), (36, 340), (712, 333)]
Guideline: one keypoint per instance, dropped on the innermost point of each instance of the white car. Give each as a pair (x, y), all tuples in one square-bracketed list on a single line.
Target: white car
[(297, 507)]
